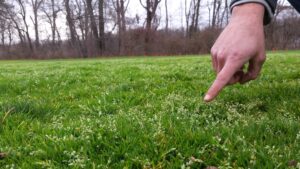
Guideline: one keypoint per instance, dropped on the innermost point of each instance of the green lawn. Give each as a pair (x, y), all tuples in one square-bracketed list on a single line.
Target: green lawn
[(147, 113)]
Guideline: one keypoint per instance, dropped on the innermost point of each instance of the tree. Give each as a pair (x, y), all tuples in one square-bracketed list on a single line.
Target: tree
[(192, 17), (225, 14), (167, 16), (75, 42), (195, 16), (121, 9), (36, 5), (94, 28), (215, 13), (101, 25), (13, 17), (150, 7), (23, 13), (5, 25), (70, 22), (2, 7), (51, 9)]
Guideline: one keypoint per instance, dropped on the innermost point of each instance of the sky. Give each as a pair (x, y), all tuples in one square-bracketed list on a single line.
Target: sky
[(175, 8)]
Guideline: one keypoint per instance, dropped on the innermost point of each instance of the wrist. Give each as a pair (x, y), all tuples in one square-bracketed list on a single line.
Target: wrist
[(249, 12)]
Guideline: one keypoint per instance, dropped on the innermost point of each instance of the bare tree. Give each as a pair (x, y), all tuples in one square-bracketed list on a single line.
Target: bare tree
[(3, 5), (121, 8), (94, 28), (13, 17), (192, 17), (36, 5), (195, 16), (187, 12), (225, 13), (2, 31), (82, 17), (274, 38), (70, 22), (87, 21), (215, 13), (150, 6), (51, 10), (75, 42), (167, 15), (101, 25), (23, 13), (3, 21), (10, 34)]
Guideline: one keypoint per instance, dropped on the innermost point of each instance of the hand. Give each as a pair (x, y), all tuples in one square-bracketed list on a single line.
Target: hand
[(241, 42)]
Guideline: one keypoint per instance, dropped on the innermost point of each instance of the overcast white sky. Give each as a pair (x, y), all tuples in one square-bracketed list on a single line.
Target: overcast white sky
[(176, 15), (175, 8), (176, 11)]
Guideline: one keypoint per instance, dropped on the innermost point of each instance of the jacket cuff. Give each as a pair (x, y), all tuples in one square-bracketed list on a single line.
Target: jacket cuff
[(268, 10)]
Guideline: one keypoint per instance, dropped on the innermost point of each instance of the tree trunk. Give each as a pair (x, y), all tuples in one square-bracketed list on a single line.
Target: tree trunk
[(54, 16), (150, 7), (187, 12), (123, 26), (101, 26), (121, 22), (196, 26), (36, 30), (70, 23), (93, 24), (213, 23), (36, 4), (215, 14), (23, 14), (86, 25), (195, 13), (167, 16), (2, 35), (75, 43), (17, 27)]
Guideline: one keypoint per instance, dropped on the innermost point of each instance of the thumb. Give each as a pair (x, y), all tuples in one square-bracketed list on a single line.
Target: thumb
[(221, 81)]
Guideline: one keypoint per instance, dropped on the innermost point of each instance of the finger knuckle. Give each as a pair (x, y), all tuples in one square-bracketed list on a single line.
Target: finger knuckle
[(236, 56), (253, 76), (213, 51), (261, 60), (221, 56)]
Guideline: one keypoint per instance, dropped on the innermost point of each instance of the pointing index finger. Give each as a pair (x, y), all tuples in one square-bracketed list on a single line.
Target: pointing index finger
[(221, 81)]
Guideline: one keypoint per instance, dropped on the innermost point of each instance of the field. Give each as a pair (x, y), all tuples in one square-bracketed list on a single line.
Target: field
[(147, 113)]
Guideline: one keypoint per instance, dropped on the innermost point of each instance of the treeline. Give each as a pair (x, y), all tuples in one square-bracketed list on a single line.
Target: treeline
[(104, 28)]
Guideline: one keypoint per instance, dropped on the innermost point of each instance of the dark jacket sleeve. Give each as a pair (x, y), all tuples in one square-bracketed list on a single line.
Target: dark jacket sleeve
[(296, 4), (270, 6)]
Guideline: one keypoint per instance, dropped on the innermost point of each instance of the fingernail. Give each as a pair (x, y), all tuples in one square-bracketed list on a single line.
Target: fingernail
[(207, 98)]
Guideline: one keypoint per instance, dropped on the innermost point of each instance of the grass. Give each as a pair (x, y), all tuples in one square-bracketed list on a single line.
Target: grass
[(147, 113)]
